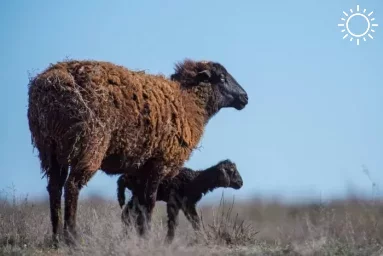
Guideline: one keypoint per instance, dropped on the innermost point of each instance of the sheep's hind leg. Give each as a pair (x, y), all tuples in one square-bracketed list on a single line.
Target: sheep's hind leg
[(56, 180), (76, 180), (151, 175), (83, 167)]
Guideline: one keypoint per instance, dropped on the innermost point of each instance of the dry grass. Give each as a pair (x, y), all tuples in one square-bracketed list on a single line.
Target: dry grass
[(349, 227)]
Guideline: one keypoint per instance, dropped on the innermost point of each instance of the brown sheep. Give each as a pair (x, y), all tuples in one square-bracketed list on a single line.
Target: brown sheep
[(183, 191), (91, 115)]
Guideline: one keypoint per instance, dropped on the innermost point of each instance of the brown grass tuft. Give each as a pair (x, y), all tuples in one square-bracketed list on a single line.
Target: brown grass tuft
[(227, 228)]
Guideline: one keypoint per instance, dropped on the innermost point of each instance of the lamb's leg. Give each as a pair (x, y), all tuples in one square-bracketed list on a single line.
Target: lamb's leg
[(57, 176), (121, 190), (172, 209), (151, 175), (127, 211), (76, 180), (192, 215)]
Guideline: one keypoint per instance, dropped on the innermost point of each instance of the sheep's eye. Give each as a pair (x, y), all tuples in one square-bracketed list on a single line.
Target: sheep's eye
[(223, 78)]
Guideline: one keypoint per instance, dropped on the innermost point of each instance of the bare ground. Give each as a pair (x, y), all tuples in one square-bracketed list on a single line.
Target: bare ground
[(348, 227)]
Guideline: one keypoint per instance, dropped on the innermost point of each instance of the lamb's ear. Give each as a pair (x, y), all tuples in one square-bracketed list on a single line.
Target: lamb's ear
[(204, 75)]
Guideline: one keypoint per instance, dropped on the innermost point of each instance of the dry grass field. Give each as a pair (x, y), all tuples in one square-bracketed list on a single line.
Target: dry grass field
[(348, 227)]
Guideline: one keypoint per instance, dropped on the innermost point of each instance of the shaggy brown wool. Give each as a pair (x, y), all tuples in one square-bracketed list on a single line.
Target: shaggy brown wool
[(90, 112)]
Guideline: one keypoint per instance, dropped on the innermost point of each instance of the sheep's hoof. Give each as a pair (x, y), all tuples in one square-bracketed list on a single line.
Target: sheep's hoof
[(55, 241)]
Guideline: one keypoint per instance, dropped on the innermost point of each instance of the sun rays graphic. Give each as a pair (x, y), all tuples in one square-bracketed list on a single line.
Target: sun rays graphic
[(370, 25)]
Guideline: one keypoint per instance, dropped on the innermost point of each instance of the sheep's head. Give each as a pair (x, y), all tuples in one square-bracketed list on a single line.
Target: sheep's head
[(213, 83), (228, 175)]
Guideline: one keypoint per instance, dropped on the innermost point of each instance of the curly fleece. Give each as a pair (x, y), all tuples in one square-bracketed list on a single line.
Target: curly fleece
[(92, 114)]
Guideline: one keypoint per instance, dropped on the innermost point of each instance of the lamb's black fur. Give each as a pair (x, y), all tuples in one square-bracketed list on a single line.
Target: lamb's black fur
[(183, 191)]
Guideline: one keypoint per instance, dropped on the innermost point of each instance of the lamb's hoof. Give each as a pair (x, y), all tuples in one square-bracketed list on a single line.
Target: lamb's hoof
[(143, 232), (168, 240), (143, 229)]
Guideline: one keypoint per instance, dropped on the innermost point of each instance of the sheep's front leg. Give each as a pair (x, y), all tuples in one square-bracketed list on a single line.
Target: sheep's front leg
[(173, 209), (57, 176), (151, 176), (76, 180), (192, 215)]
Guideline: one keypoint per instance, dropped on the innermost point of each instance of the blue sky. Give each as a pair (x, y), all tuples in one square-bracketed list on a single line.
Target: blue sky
[(315, 100)]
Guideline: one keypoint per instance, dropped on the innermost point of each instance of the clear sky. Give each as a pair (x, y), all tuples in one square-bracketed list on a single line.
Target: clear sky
[(315, 100)]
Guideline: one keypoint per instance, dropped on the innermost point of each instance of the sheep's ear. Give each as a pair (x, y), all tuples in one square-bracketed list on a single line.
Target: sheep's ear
[(175, 77), (204, 75)]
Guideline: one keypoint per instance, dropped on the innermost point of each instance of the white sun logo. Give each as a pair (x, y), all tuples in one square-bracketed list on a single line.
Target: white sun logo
[(368, 31)]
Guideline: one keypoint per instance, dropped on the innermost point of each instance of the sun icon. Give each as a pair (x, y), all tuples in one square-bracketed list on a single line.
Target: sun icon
[(346, 21)]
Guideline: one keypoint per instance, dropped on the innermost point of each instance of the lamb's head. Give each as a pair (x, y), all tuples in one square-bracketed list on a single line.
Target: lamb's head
[(213, 84), (228, 175)]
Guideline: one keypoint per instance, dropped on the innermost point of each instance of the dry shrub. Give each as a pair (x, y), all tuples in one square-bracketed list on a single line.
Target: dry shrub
[(228, 228)]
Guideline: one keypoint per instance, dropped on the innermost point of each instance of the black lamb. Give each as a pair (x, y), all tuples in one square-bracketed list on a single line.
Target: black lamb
[(183, 191)]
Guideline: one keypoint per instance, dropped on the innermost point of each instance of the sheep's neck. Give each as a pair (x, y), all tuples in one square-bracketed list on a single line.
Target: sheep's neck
[(201, 97), (205, 181)]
